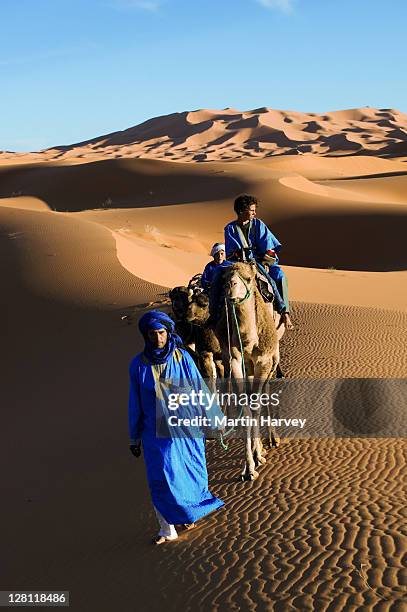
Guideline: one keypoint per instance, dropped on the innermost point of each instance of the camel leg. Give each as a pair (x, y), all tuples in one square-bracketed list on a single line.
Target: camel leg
[(263, 373), (256, 443), (249, 469), (233, 365), (258, 448), (280, 333), (220, 369), (208, 365), (237, 371), (261, 370), (258, 451), (276, 363)]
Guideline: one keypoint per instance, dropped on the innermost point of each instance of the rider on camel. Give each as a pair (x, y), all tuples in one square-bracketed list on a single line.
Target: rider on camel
[(218, 254), (248, 238)]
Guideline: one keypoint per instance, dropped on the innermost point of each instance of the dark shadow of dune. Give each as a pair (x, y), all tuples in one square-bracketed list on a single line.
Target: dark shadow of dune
[(130, 183), (372, 241), (280, 139), (313, 127), (395, 149), (73, 360), (366, 176), (391, 149), (221, 139), (175, 127), (340, 142)]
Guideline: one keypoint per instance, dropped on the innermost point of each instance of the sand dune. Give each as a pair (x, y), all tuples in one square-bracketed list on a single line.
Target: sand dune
[(208, 135), (302, 184), (305, 204), (318, 167), (24, 203), (323, 522), (86, 240), (118, 183), (382, 190), (70, 260)]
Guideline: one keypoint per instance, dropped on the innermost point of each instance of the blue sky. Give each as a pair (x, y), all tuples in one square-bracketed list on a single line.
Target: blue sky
[(75, 69)]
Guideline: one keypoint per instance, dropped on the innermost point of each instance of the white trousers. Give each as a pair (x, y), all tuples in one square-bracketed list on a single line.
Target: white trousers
[(166, 529)]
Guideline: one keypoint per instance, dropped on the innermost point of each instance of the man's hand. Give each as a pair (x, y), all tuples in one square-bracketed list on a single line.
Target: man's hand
[(269, 258), (135, 449)]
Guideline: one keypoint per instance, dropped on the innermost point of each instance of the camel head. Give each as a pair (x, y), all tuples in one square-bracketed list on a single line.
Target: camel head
[(198, 308), (180, 298), (239, 281)]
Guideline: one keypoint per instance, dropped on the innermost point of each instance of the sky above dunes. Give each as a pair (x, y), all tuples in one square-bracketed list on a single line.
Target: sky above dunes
[(75, 69)]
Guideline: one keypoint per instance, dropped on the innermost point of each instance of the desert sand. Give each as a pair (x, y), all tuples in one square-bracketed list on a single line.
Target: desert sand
[(208, 135), (99, 230)]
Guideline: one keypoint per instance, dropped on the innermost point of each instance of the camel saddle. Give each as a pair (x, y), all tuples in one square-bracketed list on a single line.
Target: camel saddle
[(264, 287)]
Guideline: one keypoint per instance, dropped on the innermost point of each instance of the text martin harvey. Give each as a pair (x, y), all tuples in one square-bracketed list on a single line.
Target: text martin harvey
[(243, 421)]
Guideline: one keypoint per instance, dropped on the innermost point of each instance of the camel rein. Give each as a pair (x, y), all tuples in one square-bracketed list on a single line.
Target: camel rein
[(232, 304)]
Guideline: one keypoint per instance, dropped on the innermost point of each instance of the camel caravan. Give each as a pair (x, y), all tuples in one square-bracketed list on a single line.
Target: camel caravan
[(233, 315)]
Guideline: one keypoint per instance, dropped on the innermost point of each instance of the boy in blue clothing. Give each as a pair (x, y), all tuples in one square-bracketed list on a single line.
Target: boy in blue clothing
[(218, 254)]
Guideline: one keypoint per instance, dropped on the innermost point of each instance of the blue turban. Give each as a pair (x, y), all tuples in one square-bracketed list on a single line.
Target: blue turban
[(156, 319)]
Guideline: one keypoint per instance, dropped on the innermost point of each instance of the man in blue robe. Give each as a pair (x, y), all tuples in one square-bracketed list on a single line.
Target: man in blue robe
[(175, 461), (248, 238), (218, 254)]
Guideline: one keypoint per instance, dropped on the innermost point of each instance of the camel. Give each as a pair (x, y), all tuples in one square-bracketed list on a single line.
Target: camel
[(180, 299), (259, 337), (191, 310), (206, 342)]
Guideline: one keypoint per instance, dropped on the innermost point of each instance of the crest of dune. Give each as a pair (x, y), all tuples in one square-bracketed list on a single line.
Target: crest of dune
[(232, 134)]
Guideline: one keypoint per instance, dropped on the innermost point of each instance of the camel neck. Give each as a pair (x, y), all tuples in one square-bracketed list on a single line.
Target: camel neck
[(246, 313)]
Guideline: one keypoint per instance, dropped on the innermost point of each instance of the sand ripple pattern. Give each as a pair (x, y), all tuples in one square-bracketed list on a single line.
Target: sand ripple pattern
[(345, 342), (323, 528)]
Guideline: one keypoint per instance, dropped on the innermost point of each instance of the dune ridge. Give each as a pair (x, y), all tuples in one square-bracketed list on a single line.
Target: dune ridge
[(210, 135), (311, 203)]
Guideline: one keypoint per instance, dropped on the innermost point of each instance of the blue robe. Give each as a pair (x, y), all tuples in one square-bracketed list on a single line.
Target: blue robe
[(176, 466), (261, 239), (208, 273)]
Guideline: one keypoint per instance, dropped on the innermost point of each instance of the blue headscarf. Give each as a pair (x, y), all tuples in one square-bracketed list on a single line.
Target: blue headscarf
[(156, 319)]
